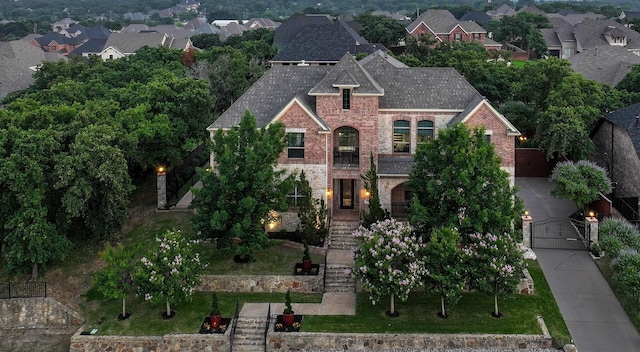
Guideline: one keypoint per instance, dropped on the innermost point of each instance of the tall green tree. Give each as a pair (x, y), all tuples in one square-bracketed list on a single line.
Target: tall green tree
[(381, 29), (236, 198), (370, 180), (522, 30), (445, 267), (115, 279), (458, 183), (312, 213)]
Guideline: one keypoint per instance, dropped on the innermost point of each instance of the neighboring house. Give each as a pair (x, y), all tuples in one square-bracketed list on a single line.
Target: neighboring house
[(91, 47), (232, 28), (205, 29), (629, 15), (135, 28), (504, 10), (62, 24), (122, 44), (323, 44), (335, 116), (478, 17), (396, 16), (531, 9), (18, 62), (565, 40), (136, 16), (604, 64), (56, 42), (256, 23), (444, 27), (290, 28), (617, 140), (575, 18)]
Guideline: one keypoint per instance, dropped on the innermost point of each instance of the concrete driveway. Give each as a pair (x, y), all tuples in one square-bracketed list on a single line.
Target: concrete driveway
[(591, 311)]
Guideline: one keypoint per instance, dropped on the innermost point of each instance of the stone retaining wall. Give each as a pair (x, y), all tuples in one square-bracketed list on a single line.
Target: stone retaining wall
[(166, 343), (27, 313), (316, 341), (263, 283)]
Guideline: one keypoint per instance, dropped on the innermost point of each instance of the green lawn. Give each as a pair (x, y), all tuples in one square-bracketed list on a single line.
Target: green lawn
[(471, 315), (418, 314)]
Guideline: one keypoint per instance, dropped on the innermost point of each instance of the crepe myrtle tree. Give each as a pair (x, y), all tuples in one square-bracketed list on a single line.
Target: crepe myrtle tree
[(495, 264), (388, 260), (171, 272)]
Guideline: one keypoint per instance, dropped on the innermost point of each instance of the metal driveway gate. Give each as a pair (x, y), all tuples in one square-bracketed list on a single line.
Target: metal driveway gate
[(558, 233)]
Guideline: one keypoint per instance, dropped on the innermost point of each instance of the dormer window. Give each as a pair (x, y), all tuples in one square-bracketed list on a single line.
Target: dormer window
[(346, 99)]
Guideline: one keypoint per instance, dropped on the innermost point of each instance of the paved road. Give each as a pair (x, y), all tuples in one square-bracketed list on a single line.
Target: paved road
[(593, 315)]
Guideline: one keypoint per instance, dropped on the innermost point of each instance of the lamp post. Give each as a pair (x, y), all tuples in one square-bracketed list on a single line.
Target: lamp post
[(161, 181)]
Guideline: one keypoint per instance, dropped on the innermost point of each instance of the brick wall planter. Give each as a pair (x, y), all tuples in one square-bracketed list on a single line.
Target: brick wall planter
[(166, 343), (263, 283), (525, 287)]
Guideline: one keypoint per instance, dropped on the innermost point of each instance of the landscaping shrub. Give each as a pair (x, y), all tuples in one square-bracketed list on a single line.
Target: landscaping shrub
[(626, 271), (617, 233)]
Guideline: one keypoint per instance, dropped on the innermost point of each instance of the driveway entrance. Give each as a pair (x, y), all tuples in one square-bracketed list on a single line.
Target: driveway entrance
[(557, 233)]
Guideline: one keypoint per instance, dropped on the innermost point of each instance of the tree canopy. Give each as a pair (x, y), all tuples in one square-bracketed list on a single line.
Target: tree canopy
[(237, 198)]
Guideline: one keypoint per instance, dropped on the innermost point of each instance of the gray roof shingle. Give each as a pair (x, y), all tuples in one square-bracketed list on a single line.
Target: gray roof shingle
[(394, 166), (403, 87), (590, 33), (290, 28), (626, 118), (604, 64)]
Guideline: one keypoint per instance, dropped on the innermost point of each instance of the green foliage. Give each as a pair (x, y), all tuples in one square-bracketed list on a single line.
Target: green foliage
[(388, 260), (537, 79), (305, 254), (215, 307), (580, 182), (443, 260), (169, 273), (370, 180), (458, 183), (522, 30), (287, 303), (237, 199), (312, 213), (626, 272), (631, 82), (616, 234), (114, 280), (380, 29)]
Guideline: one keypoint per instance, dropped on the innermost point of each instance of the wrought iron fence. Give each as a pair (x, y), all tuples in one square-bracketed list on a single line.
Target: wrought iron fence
[(627, 210), (184, 173), (266, 328), (25, 289), (234, 321)]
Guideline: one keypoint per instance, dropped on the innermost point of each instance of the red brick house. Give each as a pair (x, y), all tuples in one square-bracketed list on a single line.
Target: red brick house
[(444, 27), (335, 116)]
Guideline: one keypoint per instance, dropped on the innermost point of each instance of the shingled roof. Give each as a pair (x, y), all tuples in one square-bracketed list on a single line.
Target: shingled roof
[(290, 28), (604, 64), (590, 33), (627, 118), (324, 43), (403, 87)]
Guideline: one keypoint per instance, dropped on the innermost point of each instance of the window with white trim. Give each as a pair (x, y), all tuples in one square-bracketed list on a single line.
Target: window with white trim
[(295, 146), (346, 99)]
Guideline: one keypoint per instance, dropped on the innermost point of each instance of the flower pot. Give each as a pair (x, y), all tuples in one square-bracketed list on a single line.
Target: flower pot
[(215, 321), (306, 265), (287, 319)]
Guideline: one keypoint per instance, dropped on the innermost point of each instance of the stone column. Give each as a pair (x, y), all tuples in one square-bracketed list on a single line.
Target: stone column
[(161, 180), (592, 229), (526, 230)]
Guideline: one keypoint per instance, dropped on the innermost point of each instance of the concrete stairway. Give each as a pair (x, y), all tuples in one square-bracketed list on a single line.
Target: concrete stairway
[(339, 261), (341, 234), (249, 336)]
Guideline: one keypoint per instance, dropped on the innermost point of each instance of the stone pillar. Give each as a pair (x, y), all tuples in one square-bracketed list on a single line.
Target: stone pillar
[(161, 180), (592, 229), (526, 230)]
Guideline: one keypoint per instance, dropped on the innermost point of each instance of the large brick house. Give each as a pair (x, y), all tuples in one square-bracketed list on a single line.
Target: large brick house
[(335, 116)]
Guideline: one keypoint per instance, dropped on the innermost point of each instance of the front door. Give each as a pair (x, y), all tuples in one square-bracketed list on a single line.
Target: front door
[(346, 194)]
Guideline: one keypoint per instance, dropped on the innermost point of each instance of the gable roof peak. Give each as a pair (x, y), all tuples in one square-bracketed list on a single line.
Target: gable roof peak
[(347, 73)]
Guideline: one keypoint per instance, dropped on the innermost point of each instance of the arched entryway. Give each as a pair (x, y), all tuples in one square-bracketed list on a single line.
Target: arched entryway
[(346, 147)]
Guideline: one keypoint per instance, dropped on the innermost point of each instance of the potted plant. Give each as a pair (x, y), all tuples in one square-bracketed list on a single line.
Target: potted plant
[(287, 314), (306, 259), (215, 317)]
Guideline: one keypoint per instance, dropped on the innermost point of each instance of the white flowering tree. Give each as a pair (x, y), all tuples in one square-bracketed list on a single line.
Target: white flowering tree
[(388, 260), (171, 272), (495, 264)]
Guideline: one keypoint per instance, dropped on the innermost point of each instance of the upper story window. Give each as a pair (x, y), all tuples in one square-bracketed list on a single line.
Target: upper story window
[(476, 36), (458, 37), (295, 146), (401, 136), (346, 99), (425, 131), (487, 135)]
